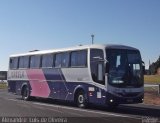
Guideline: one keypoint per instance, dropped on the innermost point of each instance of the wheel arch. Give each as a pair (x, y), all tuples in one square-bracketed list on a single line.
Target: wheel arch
[(78, 89), (23, 86)]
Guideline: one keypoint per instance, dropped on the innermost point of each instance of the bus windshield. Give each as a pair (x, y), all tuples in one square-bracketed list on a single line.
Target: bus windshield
[(125, 68)]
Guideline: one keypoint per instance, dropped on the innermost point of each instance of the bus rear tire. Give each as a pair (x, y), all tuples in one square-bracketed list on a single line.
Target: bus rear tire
[(81, 100), (26, 93)]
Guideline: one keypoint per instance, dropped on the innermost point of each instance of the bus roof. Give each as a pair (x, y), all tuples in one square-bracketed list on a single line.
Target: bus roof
[(80, 47)]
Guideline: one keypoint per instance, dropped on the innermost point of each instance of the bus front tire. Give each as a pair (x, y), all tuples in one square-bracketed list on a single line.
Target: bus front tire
[(26, 93), (81, 100)]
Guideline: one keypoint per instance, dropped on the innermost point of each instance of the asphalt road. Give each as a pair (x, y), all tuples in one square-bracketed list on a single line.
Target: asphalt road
[(13, 109)]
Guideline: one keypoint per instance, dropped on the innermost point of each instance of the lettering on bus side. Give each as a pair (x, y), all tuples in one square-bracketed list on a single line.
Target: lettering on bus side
[(17, 75)]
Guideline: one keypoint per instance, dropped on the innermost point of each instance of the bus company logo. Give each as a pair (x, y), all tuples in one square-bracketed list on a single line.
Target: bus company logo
[(18, 74)]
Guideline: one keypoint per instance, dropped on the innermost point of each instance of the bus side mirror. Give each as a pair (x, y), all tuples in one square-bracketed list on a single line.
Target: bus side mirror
[(107, 68), (143, 67)]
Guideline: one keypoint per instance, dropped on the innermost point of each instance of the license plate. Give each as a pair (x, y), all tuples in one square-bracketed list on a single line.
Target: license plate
[(129, 100)]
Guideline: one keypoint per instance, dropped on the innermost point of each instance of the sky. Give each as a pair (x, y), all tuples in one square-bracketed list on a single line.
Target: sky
[(27, 25)]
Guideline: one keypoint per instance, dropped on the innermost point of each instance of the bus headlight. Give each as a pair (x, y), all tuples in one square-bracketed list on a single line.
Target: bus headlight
[(111, 101)]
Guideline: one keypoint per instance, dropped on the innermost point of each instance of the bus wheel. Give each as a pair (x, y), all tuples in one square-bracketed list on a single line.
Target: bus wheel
[(25, 93), (81, 100)]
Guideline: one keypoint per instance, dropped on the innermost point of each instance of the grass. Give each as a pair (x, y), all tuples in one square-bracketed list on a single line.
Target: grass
[(3, 85), (152, 79)]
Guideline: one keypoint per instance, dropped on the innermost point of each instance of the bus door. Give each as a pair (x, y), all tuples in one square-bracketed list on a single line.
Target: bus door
[(97, 73)]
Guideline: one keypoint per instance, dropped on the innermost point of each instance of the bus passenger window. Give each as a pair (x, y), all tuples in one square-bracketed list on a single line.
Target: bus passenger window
[(35, 61), (58, 60), (82, 58), (79, 58), (47, 61), (14, 63), (65, 60), (24, 62)]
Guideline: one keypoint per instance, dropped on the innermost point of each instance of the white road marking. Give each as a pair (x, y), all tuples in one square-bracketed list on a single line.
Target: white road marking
[(76, 114), (89, 111), (58, 107), (78, 109), (12, 100), (156, 106)]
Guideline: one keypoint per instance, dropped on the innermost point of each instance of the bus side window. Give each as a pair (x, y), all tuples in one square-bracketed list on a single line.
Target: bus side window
[(11, 63), (47, 61), (58, 58), (24, 62), (82, 58), (73, 59), (65, 60), (35, 61), (14, 63), (79, 58)]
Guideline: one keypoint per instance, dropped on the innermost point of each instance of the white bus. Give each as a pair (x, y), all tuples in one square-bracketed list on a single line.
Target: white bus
[(98, 74)]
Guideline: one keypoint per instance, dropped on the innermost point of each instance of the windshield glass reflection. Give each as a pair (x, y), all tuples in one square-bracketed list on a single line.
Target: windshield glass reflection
[(124, 68)]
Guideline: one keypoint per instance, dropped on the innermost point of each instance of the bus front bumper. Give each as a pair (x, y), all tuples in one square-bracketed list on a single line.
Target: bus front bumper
[(114, 99)]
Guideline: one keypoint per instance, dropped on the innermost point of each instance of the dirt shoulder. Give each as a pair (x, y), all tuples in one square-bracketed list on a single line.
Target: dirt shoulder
[(152, 98), (151, 95)]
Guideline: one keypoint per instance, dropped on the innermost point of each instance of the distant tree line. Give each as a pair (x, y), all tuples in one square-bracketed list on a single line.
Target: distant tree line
[(154, 66)]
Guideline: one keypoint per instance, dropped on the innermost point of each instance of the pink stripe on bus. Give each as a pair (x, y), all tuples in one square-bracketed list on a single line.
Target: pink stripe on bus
[(38, 83)]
